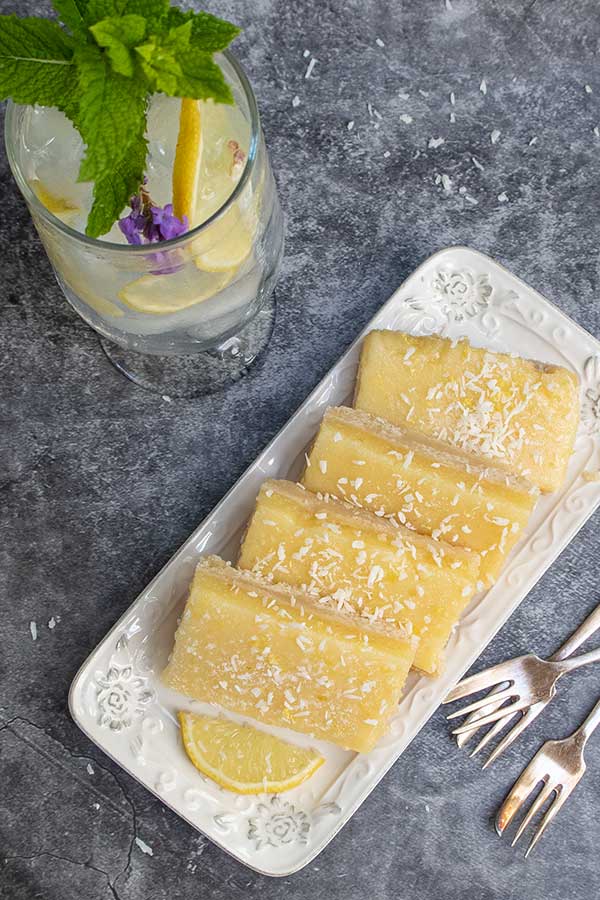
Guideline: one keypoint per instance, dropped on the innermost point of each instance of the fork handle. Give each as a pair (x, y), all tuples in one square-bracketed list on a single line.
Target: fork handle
[(587, 628), (590, 723), (576, 662)]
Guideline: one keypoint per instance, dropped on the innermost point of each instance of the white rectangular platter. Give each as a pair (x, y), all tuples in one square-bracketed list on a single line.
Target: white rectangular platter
[(117, 698)]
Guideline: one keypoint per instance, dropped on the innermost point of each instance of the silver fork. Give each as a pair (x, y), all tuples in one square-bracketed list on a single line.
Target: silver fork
[(559, 765), (587, 628), (530, 680)]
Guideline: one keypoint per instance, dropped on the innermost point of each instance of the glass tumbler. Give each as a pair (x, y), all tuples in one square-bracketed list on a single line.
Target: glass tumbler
[(167, 320)]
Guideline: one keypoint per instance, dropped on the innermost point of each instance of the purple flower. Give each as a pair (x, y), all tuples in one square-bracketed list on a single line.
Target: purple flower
[(149, 224), (168, 225), (130, 229)]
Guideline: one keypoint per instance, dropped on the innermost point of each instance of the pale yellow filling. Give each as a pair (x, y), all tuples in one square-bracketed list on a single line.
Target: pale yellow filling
[(264, 651), (360, 564), (522, 413)]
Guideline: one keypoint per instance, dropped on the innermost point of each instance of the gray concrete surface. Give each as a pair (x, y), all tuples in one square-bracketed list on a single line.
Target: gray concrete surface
[(100, 482)]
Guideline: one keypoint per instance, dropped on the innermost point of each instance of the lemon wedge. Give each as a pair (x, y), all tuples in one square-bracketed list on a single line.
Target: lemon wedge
[(225, 245), (165, 294), (228, 241), (243, 759), (61, 207), (188, 160)]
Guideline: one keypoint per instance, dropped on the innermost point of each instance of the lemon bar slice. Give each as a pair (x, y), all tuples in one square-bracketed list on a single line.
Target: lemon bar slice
[(276, 655), (361, 564), (424, 484), (514, 410)]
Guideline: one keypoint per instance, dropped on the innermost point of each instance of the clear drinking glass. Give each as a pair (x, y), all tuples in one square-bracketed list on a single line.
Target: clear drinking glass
[(218, 318)]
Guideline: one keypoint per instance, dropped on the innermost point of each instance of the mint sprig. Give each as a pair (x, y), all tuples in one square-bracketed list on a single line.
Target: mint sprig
[(100, 70)]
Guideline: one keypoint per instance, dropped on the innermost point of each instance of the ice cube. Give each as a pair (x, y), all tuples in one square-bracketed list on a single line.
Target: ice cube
[(52, 153), (162, 130)]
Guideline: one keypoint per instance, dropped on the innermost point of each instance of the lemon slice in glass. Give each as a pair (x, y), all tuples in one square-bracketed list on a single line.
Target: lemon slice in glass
[(162, 295), (204, 176), (226, 244), (243, 759), (62, 208), (188, 161)]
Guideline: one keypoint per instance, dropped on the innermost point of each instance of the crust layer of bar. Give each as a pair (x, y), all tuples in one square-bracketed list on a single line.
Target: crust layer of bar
[(514, 410)]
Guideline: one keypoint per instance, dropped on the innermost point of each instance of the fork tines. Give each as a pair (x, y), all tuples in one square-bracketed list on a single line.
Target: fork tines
[(483, 681), (536, 772)]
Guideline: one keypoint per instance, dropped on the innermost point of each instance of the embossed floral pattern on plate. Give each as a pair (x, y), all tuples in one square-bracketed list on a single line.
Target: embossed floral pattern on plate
[(121, 697), (462, 294), (278, 822), (590, 410)]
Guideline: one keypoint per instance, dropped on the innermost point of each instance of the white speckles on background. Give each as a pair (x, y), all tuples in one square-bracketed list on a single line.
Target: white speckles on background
[(310, 68), (144, 847)]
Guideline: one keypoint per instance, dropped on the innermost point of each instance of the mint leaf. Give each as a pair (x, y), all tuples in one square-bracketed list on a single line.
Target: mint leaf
[(202, 79), (71, 13), (112, 122), (113, 190), (105, 120), (160, 58), (208, 32), (104, 9), (117, 36), (154, 11), (130, 28), (36, 62)]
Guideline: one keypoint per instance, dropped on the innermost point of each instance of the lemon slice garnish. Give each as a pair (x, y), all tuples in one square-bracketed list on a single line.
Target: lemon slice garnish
[(228, 241), (243, 759), (164, 294), (188, 160), (61, 207)]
